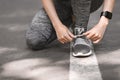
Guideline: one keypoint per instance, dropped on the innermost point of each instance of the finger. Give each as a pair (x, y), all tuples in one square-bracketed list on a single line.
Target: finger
[(89, 35), (92, 37), (69, 38), (71, 34), (65, 38), (97, 41), (97, 37), (62, 40), (86, 33)]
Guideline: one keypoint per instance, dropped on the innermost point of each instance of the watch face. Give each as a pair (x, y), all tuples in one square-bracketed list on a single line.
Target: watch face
[(107, 14)]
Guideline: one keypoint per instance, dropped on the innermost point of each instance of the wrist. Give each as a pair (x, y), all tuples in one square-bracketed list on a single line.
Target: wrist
[(57, 24), (104, 21)]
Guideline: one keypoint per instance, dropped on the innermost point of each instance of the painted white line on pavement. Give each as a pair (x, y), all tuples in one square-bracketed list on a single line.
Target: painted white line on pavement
[(84, 68)]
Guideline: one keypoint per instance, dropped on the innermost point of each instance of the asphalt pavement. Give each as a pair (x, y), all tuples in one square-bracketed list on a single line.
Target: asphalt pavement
[(17, 62)]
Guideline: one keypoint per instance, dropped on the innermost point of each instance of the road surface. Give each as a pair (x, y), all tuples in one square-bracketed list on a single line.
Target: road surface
[(17, 62)]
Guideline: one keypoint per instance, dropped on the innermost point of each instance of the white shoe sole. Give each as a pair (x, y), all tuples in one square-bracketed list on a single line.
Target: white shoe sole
[(79, 54)]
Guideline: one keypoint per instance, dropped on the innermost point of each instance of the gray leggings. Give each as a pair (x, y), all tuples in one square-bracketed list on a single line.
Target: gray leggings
[(41, 31)]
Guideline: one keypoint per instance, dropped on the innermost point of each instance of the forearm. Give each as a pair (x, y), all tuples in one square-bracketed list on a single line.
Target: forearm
[(50, 9), (108, 6)]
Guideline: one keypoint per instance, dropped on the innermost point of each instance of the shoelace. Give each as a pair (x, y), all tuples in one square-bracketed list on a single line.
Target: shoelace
[(78, 30), (79, 36)]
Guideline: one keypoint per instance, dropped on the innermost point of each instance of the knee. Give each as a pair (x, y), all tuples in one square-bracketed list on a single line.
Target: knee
[(35, 44), (35, 40)]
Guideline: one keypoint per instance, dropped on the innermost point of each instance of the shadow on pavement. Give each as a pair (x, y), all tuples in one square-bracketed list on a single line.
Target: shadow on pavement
[(17, 62)]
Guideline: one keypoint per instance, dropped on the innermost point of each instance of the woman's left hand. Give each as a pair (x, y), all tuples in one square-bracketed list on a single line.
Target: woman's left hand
[(97, 32)]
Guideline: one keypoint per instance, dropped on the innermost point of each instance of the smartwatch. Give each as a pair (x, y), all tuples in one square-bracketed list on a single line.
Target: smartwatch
[(107, 14)]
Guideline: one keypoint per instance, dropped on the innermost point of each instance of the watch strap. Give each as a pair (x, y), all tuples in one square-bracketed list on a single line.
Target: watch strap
[(107, 14)]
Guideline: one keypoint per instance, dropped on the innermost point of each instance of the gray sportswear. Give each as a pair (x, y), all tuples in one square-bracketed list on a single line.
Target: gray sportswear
[(41, 32)]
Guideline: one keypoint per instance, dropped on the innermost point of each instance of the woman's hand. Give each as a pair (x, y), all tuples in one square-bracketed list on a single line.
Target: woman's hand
[(96, 33), (63, 34)]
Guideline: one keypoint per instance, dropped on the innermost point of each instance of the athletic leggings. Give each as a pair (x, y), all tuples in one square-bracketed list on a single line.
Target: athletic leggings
[(41, 32)]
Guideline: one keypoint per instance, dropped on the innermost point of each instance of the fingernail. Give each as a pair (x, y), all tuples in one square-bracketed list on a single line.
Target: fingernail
[(83, 34), (75, 37)]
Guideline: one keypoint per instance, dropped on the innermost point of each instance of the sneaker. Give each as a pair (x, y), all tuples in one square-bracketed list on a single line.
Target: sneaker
[(82, 47)]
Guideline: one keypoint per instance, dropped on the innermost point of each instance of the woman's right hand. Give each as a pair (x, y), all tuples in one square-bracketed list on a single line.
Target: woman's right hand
[(63, 34)]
